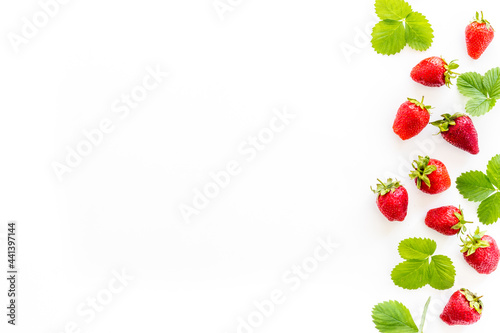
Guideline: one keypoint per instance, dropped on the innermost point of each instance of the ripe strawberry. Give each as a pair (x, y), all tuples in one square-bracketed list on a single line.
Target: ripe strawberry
[(459, 131), (481, 252), (411, 118), (430, 175), (478, 35), (448, 220), (392, 200), (463, 308), (434, 72)]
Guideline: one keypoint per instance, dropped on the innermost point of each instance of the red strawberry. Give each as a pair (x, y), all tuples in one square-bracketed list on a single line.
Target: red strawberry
[(481, 252), (430, 175), (478, 35), (463, 308), (448, 220), (392, 200), (411, 118), (459, 131), (434, 72)]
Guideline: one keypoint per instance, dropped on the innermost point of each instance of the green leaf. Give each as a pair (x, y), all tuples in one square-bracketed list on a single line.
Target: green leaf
[(417, 248), (474, 186), (479, 105), (411, 274), (477, 186), (493, 171), (483, 91), (392, 9), (492, 82), (441, 272), (418, 32), (489, 210), (471, 85), (393, 317), (388, 37), (399, 26)]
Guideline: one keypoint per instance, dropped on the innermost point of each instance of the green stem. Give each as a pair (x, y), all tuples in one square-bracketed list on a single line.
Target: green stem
[(422, 321)]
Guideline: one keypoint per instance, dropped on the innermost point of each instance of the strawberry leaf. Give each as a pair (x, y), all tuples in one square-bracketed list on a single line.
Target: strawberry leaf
[(392, 9), (470, 84), (412, 274), (441, 272), (400, 26), (418, 32), (489, 210), (480, 187), (474, 186), (393, 317), (388, 37), (479, 106), (483, 91), (417, 248), (493, 171), (492, 82), (416, 271)]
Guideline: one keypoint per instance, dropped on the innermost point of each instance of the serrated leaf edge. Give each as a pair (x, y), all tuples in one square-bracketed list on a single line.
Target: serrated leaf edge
[(392, 303), (461, 191), (453, 270), (419, 239), (431, 32), (487, 98)]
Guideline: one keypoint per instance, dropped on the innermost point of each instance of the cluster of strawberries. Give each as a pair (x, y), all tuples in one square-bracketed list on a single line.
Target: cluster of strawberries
[(479, 250)]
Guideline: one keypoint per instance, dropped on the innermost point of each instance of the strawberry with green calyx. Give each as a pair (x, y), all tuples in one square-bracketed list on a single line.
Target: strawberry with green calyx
[(431, 175), (447, 220), (434, 72), (463, 308), (392, 199), (478, 35), (411, 118), (459, 130), (481, 252)]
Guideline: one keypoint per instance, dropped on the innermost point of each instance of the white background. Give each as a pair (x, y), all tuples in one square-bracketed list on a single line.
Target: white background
[(119, 209)]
